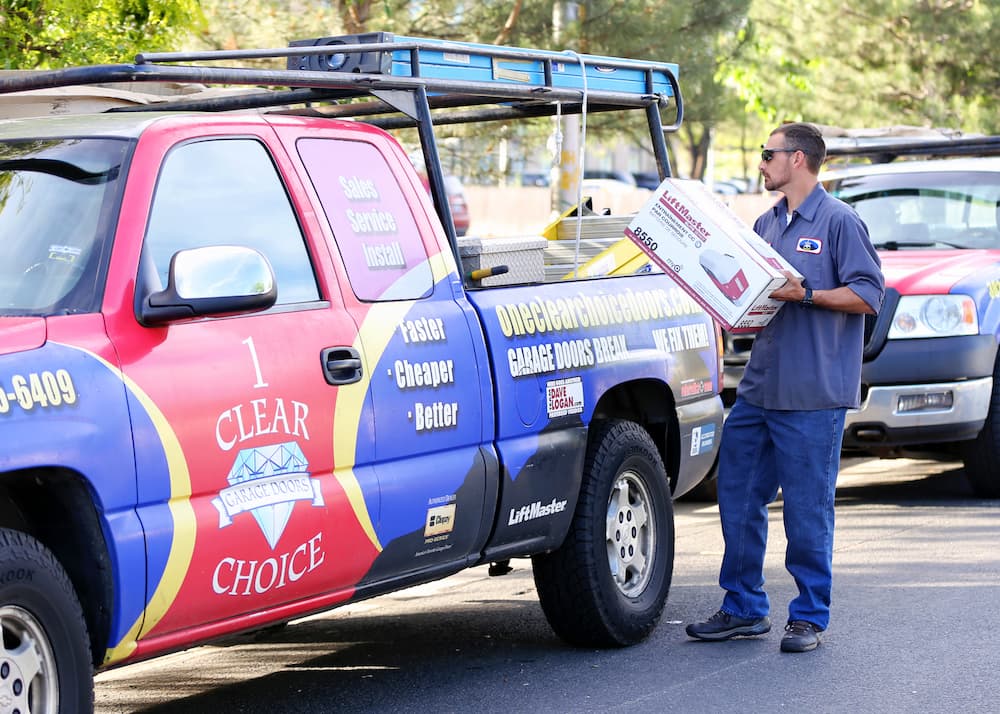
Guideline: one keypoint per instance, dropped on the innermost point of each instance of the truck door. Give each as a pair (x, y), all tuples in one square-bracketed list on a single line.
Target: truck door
[(423, 349), (247, 505)]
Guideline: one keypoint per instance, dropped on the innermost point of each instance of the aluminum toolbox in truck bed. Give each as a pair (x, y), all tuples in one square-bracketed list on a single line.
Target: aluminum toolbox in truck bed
[(523, 256)]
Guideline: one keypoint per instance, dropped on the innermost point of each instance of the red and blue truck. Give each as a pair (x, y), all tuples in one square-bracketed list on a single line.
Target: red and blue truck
[(245, 377)]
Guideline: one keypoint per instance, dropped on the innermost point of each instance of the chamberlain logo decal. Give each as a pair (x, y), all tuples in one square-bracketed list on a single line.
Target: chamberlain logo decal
[(535, 510), (267, 482)]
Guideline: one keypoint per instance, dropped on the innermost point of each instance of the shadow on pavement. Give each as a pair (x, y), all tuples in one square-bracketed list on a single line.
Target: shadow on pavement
[(947, 485), (368, 663)]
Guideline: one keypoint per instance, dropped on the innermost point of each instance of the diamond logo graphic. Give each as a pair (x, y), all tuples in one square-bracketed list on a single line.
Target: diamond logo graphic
[(267, 482)]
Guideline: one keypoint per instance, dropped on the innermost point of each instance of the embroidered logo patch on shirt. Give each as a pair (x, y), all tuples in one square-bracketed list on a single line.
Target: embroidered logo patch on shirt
[(809, 245)]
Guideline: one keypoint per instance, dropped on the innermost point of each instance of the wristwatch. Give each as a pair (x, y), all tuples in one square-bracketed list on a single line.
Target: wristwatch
[(807, 299)]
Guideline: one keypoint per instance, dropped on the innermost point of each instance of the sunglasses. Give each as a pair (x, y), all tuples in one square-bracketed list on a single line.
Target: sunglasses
[(768, 154)]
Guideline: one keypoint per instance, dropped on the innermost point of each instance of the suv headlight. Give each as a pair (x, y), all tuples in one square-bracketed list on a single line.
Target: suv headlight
[(934, 316)]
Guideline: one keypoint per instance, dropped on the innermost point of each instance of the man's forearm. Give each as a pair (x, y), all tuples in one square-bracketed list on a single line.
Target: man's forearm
[(841, 299)]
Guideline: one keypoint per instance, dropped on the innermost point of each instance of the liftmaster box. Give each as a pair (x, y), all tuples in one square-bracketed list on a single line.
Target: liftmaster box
[(718, 260)]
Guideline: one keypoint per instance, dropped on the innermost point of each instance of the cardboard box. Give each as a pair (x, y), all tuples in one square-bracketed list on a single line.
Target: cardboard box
[(718, 260)]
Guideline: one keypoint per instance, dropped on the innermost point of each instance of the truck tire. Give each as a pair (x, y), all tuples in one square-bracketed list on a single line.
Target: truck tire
[(606, 585), (981, 456), (45, 664)]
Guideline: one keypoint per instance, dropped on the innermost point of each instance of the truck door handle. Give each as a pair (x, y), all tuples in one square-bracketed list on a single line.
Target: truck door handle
[(341, 365)]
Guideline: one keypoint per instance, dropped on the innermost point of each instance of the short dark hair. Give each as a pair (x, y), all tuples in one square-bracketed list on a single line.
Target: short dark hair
[(808, 139)]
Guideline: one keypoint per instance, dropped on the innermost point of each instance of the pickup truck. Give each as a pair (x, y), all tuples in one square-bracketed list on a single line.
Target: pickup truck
[(245, 375), (931, 371), (930, 380)]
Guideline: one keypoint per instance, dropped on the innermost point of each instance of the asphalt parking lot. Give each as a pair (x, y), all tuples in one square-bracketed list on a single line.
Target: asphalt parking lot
[(917, 578)]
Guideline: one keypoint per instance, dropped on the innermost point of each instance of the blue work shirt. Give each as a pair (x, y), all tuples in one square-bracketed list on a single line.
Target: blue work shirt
[(807, 357)]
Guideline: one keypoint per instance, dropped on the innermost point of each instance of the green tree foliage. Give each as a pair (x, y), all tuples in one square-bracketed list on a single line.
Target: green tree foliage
[(39, 34), (745, 64), (872, 63), (245, 24), (700, 36)]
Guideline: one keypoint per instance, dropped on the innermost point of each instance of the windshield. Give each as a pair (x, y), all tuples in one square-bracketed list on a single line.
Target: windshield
[(55, 196), (934, 209)]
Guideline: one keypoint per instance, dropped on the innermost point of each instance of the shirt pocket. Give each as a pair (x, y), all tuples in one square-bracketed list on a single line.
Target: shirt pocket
[(815, 269)]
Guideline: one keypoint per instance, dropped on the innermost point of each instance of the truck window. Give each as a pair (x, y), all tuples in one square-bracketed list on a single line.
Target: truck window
[(55, 208), (228, 192), (370, 218), (930, 209)]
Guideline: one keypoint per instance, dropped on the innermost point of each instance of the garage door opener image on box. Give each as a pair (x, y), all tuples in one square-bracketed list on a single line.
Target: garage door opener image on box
[(726, 273)]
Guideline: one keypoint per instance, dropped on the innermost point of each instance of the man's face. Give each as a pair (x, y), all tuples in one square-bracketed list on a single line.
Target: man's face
[(776, 162)]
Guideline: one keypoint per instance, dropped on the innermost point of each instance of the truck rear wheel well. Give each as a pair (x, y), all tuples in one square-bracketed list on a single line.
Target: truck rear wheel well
[(650, 403), (55, 507)]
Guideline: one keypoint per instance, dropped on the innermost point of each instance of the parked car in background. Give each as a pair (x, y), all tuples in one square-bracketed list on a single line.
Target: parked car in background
[(647, 179), (623, 176), (459, 206), (535, 178), (456, 199), (612, 195), (726, 188)]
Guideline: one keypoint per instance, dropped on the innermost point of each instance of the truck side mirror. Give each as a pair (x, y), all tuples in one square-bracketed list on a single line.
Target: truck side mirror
[(212, 281)]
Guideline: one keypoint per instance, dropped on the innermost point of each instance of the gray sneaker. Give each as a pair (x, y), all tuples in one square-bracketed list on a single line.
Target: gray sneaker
[(723, 626), (800, 636)]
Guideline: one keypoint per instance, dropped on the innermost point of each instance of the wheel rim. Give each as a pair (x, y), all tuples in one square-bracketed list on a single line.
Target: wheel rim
[(631, 534), (28, 680)]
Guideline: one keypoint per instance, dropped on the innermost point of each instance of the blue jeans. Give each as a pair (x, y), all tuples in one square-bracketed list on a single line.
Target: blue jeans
[(799, 451)]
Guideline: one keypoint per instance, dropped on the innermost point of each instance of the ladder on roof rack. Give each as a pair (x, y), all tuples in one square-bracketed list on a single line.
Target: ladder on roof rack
[(408, 78)]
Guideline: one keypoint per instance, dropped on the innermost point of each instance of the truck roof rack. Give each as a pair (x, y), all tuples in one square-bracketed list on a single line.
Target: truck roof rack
[(395, 82), (455, 74)]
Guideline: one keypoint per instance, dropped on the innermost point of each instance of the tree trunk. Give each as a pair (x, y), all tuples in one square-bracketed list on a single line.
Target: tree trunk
[(697, 142), (355, 15)]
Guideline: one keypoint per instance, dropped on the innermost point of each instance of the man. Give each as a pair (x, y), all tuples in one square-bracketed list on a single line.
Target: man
[(786, 425)]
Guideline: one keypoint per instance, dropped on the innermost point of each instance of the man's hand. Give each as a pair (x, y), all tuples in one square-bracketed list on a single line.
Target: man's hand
[(791, 291)]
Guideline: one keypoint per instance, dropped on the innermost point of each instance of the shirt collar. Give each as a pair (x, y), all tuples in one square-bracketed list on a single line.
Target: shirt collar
[(808, 208)]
